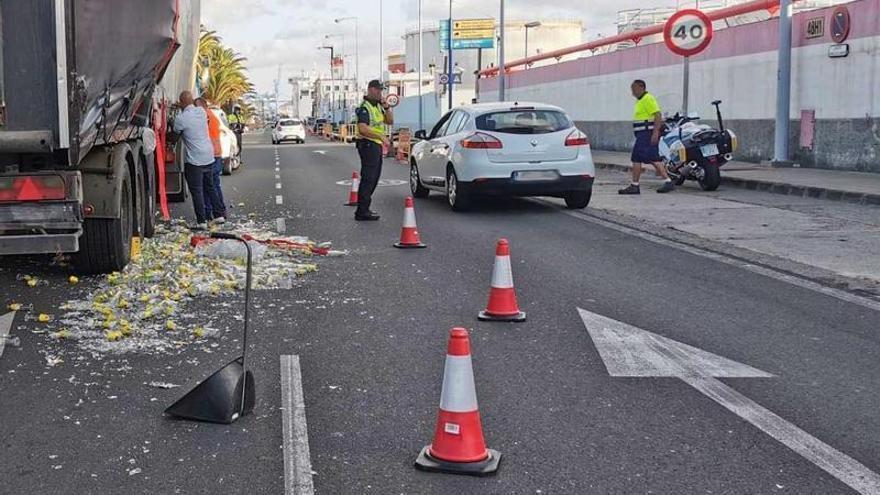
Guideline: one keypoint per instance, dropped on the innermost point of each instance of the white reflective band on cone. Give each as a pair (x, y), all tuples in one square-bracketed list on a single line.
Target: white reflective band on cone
[(459, 393), (409, 218), (354, 184), (502, 276)]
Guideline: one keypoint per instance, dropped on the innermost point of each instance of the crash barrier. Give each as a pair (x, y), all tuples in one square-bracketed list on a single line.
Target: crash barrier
[(404, 145), (327, 131), (351, 133)]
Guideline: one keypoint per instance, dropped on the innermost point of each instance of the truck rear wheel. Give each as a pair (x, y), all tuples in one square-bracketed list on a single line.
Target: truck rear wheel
[(105, 245), (149, 213)]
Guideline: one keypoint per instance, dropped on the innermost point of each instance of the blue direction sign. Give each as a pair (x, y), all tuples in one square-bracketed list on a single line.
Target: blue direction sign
[(467, 35)]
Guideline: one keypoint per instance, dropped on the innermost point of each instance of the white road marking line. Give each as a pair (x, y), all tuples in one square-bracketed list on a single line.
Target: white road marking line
[(280, 225), (745, 265), (628, 351), (297, 460), (277, 177), (277, 185), (279, 200), (5, 327), (277, 169)]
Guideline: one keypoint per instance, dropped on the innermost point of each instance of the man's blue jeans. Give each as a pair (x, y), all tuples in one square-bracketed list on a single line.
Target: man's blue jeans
[(212, 212)]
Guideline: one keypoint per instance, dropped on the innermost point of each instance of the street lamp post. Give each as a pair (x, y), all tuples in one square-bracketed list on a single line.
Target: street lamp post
[(530, 25), (357, 59), (381, 42), (501, 73), (332, 56)]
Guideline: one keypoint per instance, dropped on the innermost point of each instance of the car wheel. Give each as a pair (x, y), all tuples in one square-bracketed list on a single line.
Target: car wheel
[(578, 200), (458, 199), (415, 183)]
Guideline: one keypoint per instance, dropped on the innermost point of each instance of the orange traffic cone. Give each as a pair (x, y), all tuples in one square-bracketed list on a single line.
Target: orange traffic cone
[(502, 296), (353, 194), (459, 446), (409, 233)]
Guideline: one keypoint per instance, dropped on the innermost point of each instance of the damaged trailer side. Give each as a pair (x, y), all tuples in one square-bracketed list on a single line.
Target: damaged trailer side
[(80, 80)]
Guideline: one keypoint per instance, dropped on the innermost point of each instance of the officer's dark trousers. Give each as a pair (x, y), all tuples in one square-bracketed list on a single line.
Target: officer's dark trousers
[(371, 170)]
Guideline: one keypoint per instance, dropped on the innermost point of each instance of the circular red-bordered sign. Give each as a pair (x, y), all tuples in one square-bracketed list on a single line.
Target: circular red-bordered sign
[(392, 100), (688, 32), (840, 24)]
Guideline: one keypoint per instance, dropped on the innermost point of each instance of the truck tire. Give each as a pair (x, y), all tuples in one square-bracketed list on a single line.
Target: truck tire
[(150, 208), (140, 201), (105, 245)]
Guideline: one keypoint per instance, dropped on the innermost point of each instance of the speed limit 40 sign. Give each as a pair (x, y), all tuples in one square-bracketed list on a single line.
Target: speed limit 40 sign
[(688, 32)]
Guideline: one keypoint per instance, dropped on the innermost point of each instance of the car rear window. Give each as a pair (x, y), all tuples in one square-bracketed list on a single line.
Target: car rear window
[(285, 123), (524, 121)]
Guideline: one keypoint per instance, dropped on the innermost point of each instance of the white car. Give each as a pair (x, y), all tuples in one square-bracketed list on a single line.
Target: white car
[(228, 144), (289, 130), (510, 149)]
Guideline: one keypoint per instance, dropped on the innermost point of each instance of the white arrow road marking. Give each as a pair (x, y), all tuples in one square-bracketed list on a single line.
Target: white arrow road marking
[(5, 327), (320, 152), (628, 351), (297, 461)]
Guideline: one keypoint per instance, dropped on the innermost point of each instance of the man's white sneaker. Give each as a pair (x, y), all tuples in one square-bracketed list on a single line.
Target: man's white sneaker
[(199, 226), (219, 221)]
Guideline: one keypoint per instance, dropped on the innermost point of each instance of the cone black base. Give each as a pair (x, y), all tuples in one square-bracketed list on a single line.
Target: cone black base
[(517, 318), (350, 204), (399, 245), (488, 467)]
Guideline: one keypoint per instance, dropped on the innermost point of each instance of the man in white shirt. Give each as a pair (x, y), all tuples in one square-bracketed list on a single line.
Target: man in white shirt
[(192, 125)]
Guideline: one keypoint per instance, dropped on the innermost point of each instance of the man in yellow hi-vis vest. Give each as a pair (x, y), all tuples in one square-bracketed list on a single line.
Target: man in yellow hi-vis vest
[(372, 117), (647, 127)]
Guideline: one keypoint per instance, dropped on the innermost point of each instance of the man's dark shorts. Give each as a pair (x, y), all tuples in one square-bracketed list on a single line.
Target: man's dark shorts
[(643, 151)]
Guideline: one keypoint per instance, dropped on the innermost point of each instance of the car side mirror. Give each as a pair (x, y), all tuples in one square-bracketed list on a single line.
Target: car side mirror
[(421, 135)]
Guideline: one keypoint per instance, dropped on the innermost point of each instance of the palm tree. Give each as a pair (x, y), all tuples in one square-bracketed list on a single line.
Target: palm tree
[(226, 69)]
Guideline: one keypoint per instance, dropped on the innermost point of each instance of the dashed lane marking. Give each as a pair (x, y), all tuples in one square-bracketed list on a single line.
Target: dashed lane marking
[(297, 460)]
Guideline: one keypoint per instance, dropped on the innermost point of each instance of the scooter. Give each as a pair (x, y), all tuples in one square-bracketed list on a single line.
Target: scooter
[(696, 151)]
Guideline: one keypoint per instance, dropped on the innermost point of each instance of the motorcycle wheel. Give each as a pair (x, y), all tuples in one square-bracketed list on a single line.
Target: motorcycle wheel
[(711, 177)]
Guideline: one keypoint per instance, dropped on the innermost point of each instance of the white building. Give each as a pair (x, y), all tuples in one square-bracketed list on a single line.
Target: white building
[(335, 99)]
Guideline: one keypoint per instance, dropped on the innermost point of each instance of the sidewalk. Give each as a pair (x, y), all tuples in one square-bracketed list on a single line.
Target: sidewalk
[(853, 187)]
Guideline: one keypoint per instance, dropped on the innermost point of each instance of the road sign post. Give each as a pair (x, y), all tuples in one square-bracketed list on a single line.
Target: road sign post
[(687, 33)]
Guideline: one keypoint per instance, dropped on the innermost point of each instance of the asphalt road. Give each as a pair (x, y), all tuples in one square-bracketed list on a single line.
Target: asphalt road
[(370, 329)]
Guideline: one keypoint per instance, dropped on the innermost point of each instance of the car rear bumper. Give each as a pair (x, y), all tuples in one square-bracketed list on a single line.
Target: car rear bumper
[(510, 187)]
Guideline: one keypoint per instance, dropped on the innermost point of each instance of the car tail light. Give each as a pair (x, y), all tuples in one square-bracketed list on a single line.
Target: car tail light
[(577, 138), (481, 141), (32, 188)]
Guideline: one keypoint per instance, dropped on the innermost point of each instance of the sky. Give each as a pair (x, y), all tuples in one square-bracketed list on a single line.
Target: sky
[(288, 32)]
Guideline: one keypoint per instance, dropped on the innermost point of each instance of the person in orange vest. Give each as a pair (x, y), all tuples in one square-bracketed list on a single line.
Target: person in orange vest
[(215, 213)]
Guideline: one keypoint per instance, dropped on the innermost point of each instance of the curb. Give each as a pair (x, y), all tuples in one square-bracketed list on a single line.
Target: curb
[(779, 188)]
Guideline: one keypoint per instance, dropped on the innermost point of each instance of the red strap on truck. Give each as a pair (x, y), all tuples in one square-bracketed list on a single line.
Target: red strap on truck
[(161, 128)]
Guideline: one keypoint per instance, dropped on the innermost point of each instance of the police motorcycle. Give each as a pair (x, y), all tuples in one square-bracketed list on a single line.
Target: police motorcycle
[(696, 151)]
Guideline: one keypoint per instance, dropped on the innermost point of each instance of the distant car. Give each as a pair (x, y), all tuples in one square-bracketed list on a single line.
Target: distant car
[(228, 144), (519, 149), (289, 130)]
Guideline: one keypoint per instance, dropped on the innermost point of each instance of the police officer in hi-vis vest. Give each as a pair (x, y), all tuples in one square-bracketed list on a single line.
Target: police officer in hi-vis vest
[(372, 117)]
